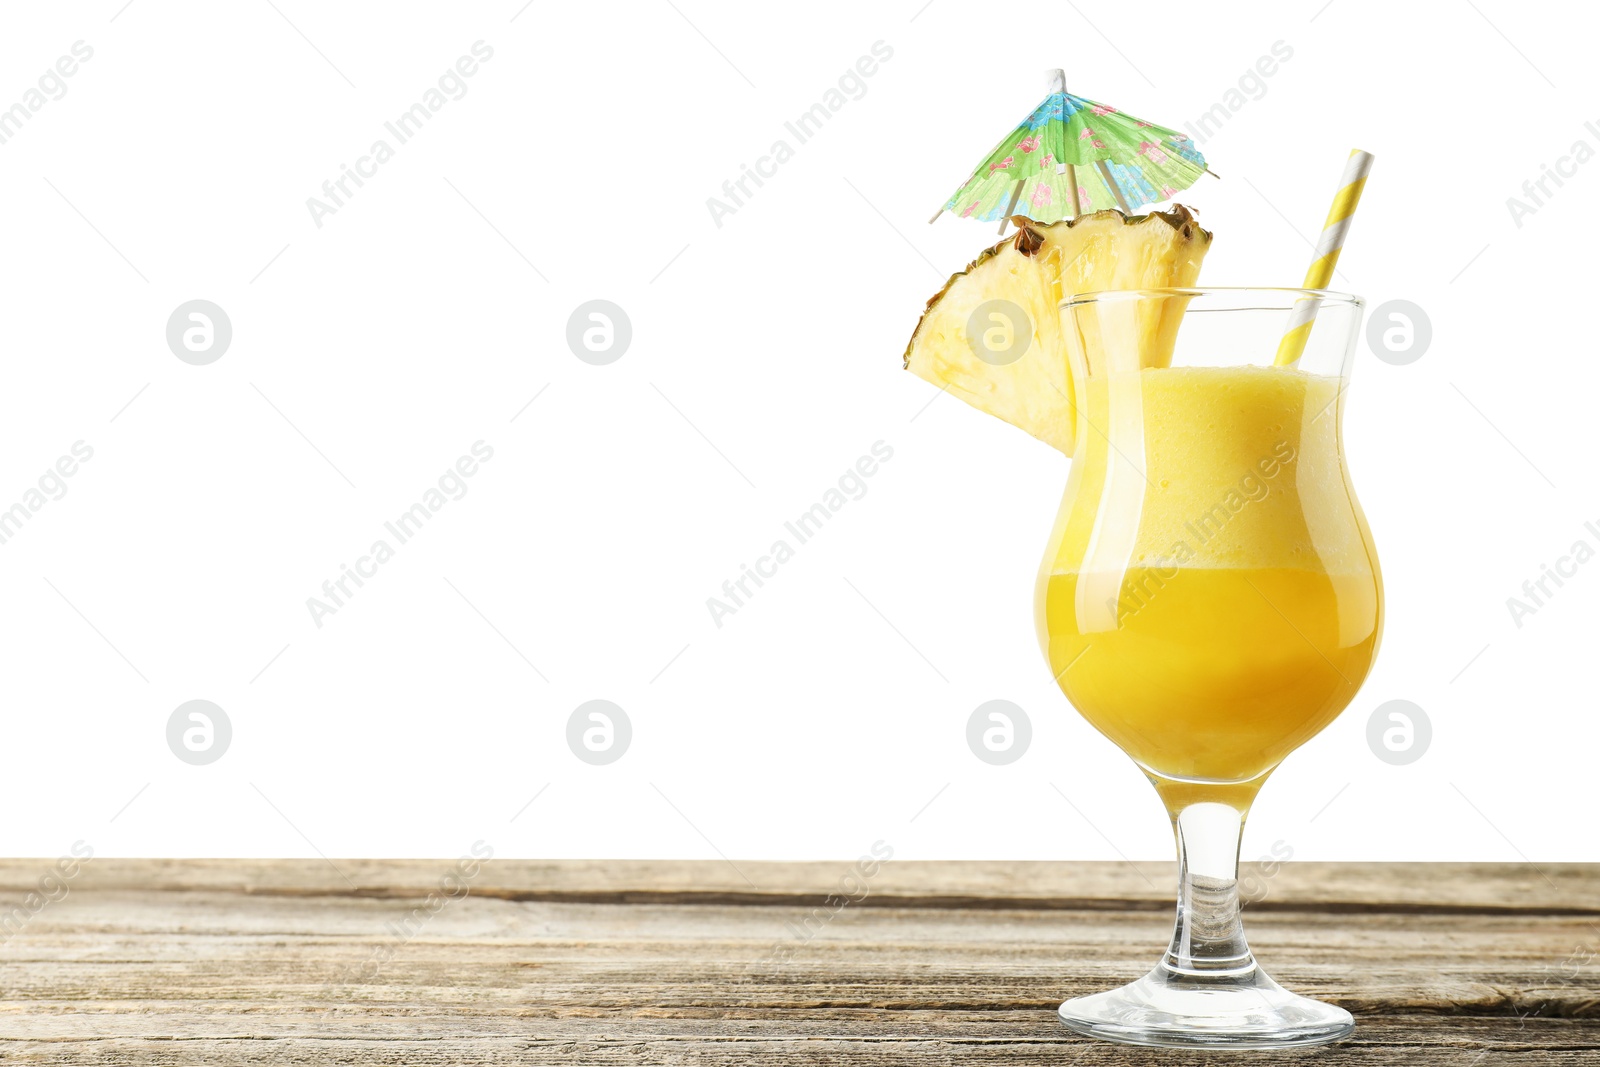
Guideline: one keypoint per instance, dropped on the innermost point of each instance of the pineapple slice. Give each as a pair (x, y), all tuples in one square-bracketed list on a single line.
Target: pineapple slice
[(992, 335)]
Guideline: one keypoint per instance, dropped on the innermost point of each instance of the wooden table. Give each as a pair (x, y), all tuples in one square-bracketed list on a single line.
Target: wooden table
[(306, 962)]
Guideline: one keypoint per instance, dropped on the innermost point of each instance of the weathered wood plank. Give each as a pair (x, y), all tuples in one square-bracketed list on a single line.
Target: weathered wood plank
[(576, 962), (1449, 887), (967, 1041)]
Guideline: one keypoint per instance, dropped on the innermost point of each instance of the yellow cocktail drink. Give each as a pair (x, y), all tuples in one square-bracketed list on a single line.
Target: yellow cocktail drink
[(1210, 600)]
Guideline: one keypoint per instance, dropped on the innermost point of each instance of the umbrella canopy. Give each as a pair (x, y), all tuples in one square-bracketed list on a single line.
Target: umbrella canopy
[(1073, 155)]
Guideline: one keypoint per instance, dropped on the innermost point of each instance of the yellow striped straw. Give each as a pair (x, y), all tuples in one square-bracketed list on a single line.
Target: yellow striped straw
[(1326, 256)]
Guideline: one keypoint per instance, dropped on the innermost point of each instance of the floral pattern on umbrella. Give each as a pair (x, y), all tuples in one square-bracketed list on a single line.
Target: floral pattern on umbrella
[(1069, 140)]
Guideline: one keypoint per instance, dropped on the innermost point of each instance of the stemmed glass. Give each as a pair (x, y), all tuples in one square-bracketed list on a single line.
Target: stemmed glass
[(1209, 601)]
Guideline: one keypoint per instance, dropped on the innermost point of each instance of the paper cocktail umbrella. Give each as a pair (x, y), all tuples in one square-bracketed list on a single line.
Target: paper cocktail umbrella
[(1072, 156)]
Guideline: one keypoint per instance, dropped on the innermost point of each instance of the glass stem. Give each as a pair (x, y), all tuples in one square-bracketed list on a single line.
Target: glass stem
[(1208, 940)]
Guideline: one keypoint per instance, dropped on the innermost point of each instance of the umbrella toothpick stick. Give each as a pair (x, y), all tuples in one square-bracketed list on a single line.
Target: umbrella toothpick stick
[(1011, 208), (1111, 183)]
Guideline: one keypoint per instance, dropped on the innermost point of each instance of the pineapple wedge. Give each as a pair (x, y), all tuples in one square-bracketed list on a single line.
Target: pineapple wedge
[(1016, 367)]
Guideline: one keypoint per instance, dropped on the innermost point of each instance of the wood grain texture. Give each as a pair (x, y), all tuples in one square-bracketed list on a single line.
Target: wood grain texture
[(577, 962)]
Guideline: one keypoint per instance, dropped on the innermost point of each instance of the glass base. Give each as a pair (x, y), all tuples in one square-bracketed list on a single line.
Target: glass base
[(1176, 1010)]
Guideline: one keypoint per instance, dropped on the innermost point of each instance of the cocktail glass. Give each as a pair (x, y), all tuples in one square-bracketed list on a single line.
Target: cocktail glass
[(1209, 601)]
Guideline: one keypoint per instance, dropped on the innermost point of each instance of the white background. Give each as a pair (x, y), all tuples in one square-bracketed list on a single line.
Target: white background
[(426, 312)]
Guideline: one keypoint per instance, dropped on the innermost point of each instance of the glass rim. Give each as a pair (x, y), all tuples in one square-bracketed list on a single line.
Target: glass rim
[(1277, 298)]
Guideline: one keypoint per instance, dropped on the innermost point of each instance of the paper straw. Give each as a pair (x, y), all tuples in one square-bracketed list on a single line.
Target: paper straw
[(1326, 256)]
